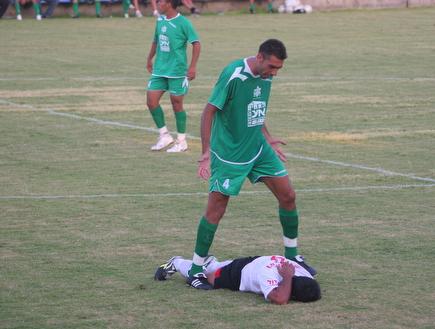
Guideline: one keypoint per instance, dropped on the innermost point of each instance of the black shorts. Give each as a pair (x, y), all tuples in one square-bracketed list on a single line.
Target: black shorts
[(229, 276)]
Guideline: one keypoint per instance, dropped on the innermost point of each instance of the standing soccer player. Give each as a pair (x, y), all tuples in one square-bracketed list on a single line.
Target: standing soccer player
[(170, 71), (237, 145)]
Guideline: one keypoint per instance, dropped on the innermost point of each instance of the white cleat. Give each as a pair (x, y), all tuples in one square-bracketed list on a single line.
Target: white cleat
[(19, 18), (163, 141), (178, 147), (138, 14), (38, 17), (126, 16)]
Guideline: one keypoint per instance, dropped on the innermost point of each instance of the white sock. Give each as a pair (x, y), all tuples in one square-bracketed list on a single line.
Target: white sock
[(183, 266), (163, 130), (181, 137)]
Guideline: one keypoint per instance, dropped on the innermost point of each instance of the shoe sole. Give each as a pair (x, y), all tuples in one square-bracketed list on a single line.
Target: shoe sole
[(164, 147), (181, 151)]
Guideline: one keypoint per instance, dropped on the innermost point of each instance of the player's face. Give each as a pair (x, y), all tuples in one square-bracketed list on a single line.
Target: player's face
[(268, 65), (163, 6)]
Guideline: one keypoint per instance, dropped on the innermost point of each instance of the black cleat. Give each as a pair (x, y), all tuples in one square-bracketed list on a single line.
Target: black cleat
[(301, 261), (199, 281), (165, 270)]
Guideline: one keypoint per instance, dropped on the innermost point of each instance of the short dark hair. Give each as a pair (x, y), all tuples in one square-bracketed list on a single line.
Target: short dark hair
[(305, 289), (175, 3), (273, 47)]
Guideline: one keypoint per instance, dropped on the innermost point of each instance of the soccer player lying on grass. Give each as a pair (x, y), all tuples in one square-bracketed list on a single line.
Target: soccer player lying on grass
[(277, 278)]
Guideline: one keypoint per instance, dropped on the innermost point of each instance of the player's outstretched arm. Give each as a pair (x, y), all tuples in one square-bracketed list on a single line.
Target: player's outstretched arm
[(281, 294)]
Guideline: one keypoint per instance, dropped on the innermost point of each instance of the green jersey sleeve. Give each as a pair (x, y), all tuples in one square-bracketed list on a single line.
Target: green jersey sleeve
[(222, 90), (192, 36)]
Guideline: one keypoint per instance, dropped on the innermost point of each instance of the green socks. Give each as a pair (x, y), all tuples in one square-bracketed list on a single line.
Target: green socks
[(76, 9), (17, 8), (204, 239), (269, 7), (37, 9), (289, 221), (98, 8), (125, 6), (158, 117), (181, 118)]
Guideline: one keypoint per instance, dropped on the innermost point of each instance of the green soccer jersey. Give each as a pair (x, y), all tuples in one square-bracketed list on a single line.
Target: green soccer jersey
[(171, 37), (241, 98)]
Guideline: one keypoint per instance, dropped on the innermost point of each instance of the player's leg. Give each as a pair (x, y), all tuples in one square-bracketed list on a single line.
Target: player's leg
[(98, 8), (51, 6), (288, 214), (211, 265), (18, 10), (189, 5), (154, 6), (269, 6), (156, 88), (208, 224), (125, 7), (137, 11), (207, 227), (37, 9), (178, 88), (76, 13), (252, 6), (270, 170), (226, 180)]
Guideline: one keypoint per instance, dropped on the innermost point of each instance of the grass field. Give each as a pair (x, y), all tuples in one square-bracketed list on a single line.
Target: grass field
[(88, 212)]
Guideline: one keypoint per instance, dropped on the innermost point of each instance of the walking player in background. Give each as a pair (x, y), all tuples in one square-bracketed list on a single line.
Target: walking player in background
[(237, 145), (169, 72)]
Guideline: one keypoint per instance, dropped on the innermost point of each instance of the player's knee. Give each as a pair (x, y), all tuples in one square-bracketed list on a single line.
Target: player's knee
[(177, 104), (288, 200), (152, 104), (214, 216)]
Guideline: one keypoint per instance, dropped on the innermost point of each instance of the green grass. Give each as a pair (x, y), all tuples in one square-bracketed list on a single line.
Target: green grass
[(84, 213)]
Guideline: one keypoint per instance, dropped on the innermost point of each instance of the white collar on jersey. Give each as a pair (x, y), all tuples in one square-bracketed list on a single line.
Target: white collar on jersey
[(170, 19), (247, 69)]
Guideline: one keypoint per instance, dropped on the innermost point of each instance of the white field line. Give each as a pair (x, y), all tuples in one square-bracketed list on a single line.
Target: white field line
[(204, 77), (203, 194), (363, 167), (290, 155)]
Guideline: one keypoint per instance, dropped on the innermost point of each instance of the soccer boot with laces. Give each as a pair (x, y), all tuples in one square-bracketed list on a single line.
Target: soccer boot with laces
[(166, 270), (199, 281), (178, 147), (301, 261), (163, 141)]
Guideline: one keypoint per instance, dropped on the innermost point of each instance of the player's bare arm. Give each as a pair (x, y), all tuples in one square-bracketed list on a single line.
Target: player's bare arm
[(206, 123), (281, 294), (150, 57), (274, 142), (196, 50)]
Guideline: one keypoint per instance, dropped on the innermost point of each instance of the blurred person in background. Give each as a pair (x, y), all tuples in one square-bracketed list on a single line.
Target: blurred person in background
[(36, 8)]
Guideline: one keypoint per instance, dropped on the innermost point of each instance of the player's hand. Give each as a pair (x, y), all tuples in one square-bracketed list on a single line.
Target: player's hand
[(275, 145), (150, 66), (191, 73), (286, 270), (204, 166)]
